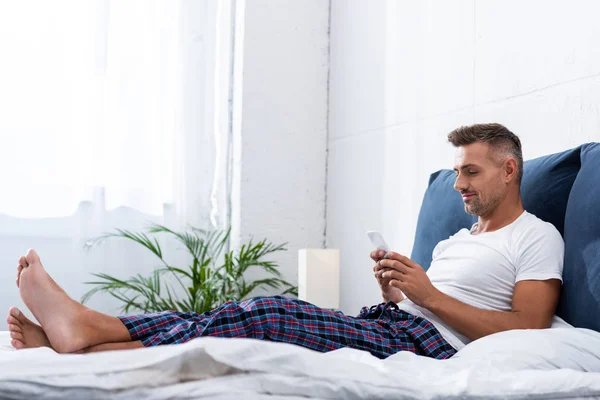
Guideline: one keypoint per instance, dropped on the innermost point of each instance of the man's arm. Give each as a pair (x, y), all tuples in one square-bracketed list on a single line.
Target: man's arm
[(533, 307)]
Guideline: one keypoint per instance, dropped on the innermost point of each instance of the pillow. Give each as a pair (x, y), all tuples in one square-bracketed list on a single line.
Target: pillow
[(546, 184), (545, 189), (546, 349), (442, 214), (580, 298)]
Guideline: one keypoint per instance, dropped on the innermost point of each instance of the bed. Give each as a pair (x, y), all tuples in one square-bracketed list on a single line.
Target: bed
[(560, 362)]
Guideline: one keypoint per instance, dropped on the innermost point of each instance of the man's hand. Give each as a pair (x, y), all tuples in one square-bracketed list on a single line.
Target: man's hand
[(409, 277), (389, 292)]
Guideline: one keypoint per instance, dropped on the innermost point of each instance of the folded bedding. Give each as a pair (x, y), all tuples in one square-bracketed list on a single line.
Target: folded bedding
[(550, 363)]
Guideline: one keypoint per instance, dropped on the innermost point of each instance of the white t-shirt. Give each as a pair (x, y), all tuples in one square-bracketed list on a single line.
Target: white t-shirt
[(482, 270)]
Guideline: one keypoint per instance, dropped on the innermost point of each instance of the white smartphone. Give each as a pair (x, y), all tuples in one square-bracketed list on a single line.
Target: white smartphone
[(378, 241)]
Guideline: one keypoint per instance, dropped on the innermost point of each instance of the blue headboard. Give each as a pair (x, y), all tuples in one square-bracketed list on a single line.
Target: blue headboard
[(580, 297)]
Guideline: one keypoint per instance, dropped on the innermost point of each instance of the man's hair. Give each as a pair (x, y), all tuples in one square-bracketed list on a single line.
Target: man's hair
[(502, 141)]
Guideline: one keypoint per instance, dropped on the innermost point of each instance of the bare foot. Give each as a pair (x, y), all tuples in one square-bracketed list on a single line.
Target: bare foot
[(24, 333), (61, 318)]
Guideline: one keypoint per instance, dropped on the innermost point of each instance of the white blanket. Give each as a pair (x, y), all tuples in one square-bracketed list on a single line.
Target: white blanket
[(551, 363)]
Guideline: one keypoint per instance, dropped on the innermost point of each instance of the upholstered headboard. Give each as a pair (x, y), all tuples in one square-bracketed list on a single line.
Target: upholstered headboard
[(563, 189), (580, 298)]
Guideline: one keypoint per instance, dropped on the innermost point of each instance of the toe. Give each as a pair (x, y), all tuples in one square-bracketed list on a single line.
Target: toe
[(19, 269), (17, 317), (16, 314), (15, 328), (32, 257), (23, 262), (16, 335), (17, 344)]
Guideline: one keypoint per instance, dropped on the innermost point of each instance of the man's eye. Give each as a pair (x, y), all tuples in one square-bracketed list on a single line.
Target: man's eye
[(472, 172)]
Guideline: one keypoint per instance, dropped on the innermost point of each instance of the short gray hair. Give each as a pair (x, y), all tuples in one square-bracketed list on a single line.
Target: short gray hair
[(499, 138)]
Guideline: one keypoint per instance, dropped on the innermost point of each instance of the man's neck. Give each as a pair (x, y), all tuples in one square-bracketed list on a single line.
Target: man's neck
[(506, 213)]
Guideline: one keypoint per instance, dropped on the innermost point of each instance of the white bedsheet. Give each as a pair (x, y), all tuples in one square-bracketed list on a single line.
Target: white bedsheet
[(552, 363)]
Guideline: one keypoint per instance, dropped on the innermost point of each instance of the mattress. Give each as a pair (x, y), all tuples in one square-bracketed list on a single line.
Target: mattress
[(549, 363)]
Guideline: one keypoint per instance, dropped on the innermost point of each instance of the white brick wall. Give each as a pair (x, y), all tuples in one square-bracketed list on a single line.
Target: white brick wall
[(403, 74), (281, 127)]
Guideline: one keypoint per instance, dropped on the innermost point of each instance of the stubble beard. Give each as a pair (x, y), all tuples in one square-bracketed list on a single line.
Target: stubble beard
[(479, 208)]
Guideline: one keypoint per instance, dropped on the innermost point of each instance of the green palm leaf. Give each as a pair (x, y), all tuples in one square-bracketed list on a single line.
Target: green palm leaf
[(205, 284)]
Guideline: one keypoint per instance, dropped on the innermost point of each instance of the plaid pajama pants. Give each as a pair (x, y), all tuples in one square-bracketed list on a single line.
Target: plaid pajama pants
[(382, 329)]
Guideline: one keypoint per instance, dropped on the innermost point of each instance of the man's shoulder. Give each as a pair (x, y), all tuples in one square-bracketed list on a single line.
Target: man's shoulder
[(531, 229), (538, 249), (531, 222)]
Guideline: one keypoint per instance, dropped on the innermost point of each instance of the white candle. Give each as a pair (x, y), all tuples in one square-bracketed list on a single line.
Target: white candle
[(319, 277)]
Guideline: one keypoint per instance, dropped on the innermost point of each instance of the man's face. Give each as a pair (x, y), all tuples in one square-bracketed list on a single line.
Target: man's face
[(479, 179)]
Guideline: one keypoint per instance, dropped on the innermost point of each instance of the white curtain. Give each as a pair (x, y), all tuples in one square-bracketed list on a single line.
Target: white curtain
[(121, 96), (112, 114)]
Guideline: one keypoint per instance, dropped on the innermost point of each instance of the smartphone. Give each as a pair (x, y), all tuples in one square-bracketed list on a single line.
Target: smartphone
[(378, 241)]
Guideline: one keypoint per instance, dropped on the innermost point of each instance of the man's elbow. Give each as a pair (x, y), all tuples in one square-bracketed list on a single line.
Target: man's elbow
[(534, 321)]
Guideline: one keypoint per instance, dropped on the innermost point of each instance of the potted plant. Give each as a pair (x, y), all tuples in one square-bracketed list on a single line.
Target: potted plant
[(210, 280)]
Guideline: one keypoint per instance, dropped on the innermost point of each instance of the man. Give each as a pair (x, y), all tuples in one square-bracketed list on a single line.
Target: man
[(505, 273)]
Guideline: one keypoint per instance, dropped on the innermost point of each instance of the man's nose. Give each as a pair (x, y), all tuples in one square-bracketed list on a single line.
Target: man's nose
[(460, 184)]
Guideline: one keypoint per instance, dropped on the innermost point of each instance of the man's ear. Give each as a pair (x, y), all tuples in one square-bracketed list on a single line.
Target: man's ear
[(510, 169)]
